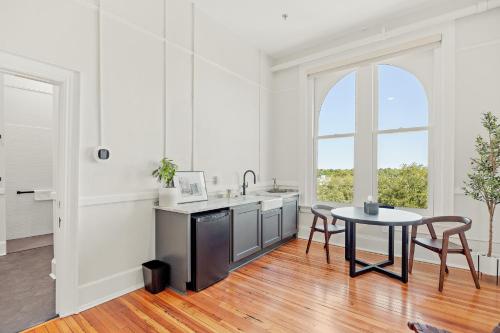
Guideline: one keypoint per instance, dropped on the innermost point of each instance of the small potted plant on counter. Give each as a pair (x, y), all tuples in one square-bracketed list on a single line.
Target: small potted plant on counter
[(483, 183), (165, 176)]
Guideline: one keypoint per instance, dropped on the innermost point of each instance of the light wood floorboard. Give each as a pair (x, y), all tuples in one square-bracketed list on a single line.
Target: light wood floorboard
[(289, 291)]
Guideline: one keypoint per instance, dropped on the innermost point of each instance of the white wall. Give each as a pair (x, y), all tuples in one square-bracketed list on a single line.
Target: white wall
[(476, 91), (285, 125), (213, 79), (28, 116), (476, 48), (219, 128)]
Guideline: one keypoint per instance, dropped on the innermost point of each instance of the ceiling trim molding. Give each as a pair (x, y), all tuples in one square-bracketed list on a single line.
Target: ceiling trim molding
[(480, 7), (428, 41)]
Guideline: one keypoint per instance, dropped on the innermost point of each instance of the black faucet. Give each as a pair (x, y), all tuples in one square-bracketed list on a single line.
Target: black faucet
[(245, 184)]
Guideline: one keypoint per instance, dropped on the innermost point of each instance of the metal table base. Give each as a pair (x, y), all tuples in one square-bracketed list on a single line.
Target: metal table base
[(350, 254)]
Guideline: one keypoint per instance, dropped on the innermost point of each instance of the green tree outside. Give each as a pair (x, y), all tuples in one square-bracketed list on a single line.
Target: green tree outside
[(406, 186)]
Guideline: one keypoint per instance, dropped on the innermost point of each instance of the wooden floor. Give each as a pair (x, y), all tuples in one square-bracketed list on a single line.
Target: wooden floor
[(287, 291)]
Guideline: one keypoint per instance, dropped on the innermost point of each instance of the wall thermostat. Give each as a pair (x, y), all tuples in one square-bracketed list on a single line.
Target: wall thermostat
[(101, 154)]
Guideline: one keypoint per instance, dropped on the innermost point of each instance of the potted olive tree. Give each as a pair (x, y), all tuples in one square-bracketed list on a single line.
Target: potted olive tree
[(165, 176), (483, 182)]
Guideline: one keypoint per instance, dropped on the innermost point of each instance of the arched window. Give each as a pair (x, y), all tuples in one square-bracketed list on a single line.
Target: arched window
[(372, 133), (335, 142), (402, 138)]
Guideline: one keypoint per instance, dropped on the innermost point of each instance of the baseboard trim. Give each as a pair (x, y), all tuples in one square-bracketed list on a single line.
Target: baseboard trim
[(3, 248), (97, 292), (110, 297)]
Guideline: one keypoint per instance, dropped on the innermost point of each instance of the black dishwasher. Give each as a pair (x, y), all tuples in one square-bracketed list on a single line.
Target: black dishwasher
[(209, 248)]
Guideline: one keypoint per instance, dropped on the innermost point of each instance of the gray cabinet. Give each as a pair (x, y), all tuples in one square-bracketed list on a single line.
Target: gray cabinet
[(289, 217), (246, 231), (271, 227)]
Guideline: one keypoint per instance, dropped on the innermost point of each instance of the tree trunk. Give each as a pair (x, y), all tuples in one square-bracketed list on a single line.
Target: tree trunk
[(491, 210)]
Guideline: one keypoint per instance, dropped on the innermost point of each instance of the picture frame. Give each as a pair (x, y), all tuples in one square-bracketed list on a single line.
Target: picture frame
[(190, 186)]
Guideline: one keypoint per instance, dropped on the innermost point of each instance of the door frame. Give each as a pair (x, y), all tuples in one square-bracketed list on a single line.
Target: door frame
[(67, 85)]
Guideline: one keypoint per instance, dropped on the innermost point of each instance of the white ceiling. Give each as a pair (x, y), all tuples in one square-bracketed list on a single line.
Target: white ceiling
[(260, 21)]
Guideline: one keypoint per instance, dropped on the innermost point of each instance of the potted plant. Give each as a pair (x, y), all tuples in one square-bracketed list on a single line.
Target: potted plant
[(165, 176), (483, 182)]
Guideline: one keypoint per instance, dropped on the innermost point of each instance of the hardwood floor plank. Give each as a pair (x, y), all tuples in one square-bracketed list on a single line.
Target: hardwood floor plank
[(125, 316), (161, 308), (83, 324), (73, 325), (154, 325), (289, 291)]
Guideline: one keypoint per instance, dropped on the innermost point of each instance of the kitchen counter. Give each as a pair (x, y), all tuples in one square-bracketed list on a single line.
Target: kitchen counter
[(257, 226), (218, 203)]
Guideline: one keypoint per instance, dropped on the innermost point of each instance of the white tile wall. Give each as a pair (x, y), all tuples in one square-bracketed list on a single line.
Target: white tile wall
[(28, 144)]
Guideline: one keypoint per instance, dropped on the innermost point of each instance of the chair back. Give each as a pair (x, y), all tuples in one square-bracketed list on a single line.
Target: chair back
[(467, 223), (319, 210), (459, 219)]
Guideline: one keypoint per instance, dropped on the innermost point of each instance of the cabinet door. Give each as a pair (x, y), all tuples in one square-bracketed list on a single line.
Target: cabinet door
[(289, 217), (271, 227), (246, 231)]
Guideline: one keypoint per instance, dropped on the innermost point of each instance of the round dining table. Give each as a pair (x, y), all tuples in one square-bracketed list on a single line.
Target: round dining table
[(387, 218)]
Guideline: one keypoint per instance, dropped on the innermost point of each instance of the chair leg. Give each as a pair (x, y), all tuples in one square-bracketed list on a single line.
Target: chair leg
[(442, 271), (326, 242), (446, 268), (412, 255), (412, 247), (465, 246), (311, 234)]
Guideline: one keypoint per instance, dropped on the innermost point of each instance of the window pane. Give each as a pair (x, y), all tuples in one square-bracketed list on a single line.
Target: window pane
[(337, 114), (402, 101), (402, 169), (335, 182)]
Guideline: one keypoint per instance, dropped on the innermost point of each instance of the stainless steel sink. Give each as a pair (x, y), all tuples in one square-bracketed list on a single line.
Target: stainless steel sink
[(281, 190)]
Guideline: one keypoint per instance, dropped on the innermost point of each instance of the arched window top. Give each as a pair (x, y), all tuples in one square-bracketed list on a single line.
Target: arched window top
[(402, 100), (337, 113)]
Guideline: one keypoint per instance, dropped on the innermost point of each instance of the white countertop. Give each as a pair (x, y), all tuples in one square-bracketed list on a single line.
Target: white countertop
[(218, 203)]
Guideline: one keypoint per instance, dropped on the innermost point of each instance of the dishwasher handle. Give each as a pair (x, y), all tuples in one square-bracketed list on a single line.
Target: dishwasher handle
[(209, 217)]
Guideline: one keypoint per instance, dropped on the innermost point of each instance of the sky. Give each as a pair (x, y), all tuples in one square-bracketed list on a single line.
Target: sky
[(402, 103)]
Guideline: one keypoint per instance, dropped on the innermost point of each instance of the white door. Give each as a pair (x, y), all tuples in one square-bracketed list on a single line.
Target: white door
[(3, 234)]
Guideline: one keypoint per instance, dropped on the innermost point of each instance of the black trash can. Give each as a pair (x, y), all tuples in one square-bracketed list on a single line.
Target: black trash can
[(156, 275)]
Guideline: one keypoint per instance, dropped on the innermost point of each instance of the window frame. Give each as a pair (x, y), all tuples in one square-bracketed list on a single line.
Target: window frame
[(339, 76), (373, 76), (376, 132)]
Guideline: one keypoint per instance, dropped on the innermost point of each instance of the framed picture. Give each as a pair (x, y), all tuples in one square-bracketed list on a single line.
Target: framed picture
[(190, 186)]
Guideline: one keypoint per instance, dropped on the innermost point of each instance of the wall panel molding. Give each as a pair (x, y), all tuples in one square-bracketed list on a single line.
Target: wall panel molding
[(117, 198), (492, 42), (163, 39)]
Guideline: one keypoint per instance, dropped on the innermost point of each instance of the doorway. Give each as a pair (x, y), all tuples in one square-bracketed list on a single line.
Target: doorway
[(28, 144), (44, 187)]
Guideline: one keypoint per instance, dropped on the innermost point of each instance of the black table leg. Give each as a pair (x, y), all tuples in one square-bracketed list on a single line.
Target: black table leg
[(346, 248), (352, 248), (391, 244), (404, 254), (377, 267)]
